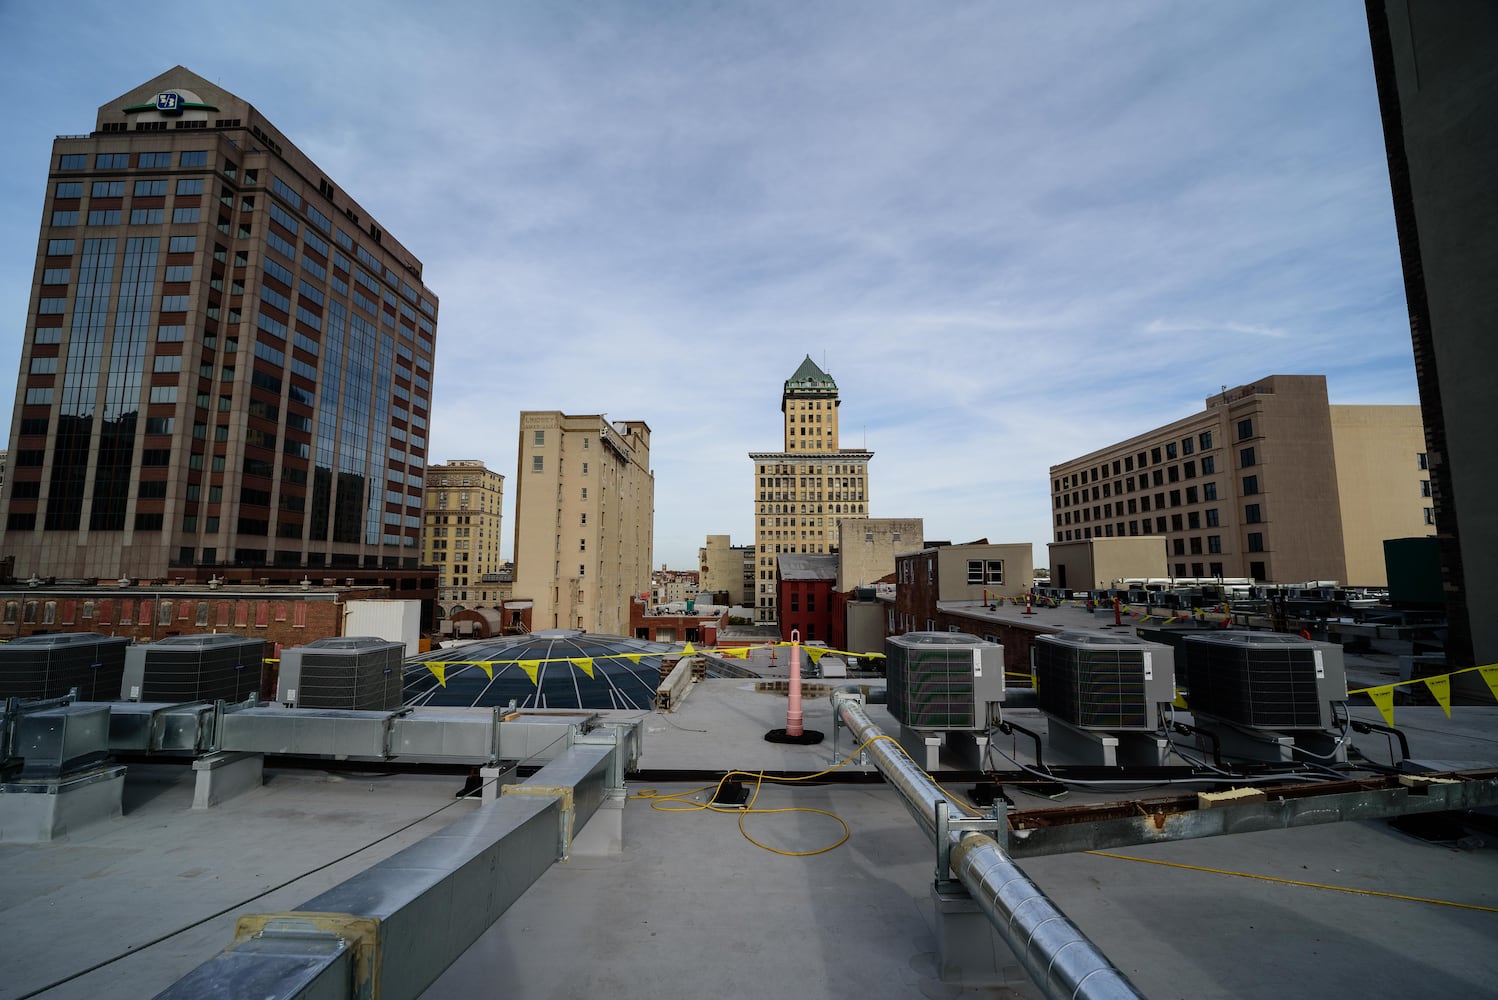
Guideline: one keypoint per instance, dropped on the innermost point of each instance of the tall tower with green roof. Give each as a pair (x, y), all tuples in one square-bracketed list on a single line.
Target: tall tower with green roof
[(804, 490)]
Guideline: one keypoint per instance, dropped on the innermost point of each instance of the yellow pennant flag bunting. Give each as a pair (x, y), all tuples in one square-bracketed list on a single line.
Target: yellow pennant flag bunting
[(687, 650), (735, 654), (633, 657), (1490, 674), (584, 664), (816, 653), (1441, 688), (531, 668), (1383, 698), (488, 666), (439, 671), (1180, 700)]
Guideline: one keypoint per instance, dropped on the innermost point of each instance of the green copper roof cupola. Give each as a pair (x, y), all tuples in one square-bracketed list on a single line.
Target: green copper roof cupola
[(809, 382)]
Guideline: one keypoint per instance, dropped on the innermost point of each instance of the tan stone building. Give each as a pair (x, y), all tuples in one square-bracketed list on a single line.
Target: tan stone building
[(866, 548), (727, 568), (1102, 563), (1383, 483), (804, 491), (1255, 486), (227, 361), (461, 515), (584, 519)]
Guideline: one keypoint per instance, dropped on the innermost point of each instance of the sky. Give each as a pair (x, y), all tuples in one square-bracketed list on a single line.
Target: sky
[(1012, 232)]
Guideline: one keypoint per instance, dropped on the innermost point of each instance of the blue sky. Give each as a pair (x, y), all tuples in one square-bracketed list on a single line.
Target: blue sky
[(1012, 232)]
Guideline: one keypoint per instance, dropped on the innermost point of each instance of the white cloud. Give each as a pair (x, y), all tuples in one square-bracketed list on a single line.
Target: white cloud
[(1015, 232)]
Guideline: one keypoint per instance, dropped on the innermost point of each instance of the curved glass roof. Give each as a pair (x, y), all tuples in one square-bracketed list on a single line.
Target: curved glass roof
[(558, 668)]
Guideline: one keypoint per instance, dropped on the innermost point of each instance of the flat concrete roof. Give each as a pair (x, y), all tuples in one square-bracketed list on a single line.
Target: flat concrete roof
[(692, 908)]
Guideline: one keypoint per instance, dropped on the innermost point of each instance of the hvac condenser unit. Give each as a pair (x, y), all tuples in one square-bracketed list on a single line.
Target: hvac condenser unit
[(943, 681), (1264, 680), (1098, 680), (184, 668), (354, 672), (48, 666)]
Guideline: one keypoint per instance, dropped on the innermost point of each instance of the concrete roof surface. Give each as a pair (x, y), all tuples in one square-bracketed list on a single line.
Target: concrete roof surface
[(692, 908)]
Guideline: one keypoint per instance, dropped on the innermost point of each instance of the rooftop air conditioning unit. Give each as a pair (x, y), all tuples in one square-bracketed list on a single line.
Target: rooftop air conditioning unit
[(183, 668), (1265, 680), (48, 666), (943, 681), (1103, 681), (353, 672)]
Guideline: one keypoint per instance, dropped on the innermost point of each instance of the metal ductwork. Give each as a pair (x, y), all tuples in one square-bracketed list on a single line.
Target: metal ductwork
[(1056, 954)]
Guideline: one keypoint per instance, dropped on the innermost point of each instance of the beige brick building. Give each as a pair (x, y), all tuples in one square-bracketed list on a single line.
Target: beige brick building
[(584, 519), (804, 491), (726, 567), (866, 548), (1269, 481), (461, 515)]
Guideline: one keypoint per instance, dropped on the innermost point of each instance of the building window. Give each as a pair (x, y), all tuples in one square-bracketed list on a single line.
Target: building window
[(1425, 487), (985, 571), (539, 439), (1430, 515), (1214, 544), (538, 463), (1256, 541), (1420, 459), (1245, 428), (1209, 465), (1212, 518), (1251, 514), (1246, 458), (1250, 485)]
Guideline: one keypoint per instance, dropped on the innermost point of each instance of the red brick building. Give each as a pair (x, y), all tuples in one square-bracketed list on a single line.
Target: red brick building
[(285, 616), (804, 587)]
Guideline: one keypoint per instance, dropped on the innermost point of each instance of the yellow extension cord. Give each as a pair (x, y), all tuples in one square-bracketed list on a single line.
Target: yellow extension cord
[(1291, 881), (679, 802)]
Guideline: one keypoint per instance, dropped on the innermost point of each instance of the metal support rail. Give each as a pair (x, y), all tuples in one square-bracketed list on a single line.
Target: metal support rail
[(1056, 954), (388, 932)]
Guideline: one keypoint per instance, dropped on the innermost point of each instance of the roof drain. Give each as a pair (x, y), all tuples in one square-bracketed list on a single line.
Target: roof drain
[(1056, 954)]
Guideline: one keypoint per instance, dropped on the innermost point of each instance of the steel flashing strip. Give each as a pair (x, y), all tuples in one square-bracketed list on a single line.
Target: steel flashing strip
[(1077, 833), (396, 926)]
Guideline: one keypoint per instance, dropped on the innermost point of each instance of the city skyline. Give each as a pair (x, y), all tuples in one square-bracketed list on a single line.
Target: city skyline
[(1011, 236)]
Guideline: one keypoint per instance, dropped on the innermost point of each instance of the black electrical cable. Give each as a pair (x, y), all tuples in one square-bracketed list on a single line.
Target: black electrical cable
[(137, 949)]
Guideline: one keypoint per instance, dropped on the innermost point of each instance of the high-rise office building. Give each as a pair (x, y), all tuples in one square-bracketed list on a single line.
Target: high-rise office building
[(1434, 67), (227, 361), (804, 491), (1269, 481), (461, 534), (584, 519)]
